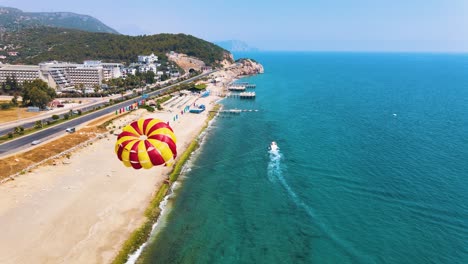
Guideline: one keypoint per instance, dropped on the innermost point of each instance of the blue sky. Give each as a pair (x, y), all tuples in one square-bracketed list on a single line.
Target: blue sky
[(343, 25)]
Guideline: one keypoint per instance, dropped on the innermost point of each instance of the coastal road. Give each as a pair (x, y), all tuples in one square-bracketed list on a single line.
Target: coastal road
[(24, 142)]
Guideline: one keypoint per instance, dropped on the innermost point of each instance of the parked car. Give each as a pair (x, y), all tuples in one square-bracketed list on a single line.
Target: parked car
[(70, 130), (35, 142)]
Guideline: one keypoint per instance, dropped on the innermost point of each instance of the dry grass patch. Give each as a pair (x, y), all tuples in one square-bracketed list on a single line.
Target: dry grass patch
[(13, 114), (103, 119)]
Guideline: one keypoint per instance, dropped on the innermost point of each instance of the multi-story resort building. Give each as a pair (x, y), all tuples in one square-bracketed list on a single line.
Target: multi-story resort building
[(62, 75), (112, 70), (20, 73), (90, 74), (86, 76)]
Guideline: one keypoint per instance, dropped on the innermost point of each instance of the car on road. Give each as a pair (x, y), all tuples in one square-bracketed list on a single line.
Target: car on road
[(70, 130), (35, 142)]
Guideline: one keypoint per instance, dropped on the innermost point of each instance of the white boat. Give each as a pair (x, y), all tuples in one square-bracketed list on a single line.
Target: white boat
[(274, 146)]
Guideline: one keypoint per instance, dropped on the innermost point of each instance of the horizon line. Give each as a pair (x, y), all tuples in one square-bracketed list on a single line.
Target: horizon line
[(359, 51)]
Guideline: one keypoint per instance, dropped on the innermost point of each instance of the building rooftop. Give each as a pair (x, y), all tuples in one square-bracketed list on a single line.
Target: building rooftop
[(19, 67)]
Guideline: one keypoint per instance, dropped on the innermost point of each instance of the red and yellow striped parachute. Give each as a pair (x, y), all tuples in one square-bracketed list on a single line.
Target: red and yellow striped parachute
[(146, 143)]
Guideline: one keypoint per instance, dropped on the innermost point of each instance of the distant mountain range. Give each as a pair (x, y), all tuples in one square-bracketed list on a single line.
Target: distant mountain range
[(12, 19), (235, 45)]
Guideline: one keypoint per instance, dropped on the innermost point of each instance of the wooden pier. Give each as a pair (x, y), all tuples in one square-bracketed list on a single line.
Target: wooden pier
[(235, 111), (246, 84), (240, 86), (243, 95), (237, 88), (247, 95)]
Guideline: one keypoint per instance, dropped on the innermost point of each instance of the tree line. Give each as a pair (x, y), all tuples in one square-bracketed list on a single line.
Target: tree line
[(34, 93)]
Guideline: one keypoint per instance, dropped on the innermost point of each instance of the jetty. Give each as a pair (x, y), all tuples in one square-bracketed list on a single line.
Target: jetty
[(240, 86), (243, 95), (246, 84), (235, 111), (237, 88), (247, 95), (231, 111)]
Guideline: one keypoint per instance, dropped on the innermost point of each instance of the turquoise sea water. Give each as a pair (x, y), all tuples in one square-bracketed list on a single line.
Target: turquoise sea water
[(372, 167)]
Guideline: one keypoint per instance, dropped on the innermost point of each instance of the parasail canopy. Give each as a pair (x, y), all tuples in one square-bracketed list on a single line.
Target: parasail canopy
[(146, 143)]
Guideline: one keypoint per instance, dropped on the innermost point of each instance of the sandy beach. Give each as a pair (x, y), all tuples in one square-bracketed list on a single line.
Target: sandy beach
[(83, 210)]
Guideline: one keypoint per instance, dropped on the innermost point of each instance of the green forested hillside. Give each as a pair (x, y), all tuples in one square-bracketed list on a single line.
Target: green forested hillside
[(35, 45)]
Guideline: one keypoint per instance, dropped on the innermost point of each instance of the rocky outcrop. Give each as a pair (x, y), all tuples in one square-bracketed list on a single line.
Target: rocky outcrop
[(233, 71), (245, 67), (186, 62), (228, 58)]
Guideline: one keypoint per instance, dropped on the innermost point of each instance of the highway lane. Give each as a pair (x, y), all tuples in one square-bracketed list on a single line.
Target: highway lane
[(25, 141)]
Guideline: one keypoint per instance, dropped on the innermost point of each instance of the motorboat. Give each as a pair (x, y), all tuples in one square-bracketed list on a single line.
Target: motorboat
[(274, 146)]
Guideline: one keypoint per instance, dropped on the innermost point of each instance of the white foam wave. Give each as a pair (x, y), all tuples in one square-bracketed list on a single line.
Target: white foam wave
[(132, 258)]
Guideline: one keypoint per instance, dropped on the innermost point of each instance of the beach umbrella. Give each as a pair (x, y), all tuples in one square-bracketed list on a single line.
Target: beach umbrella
[(146, 143)]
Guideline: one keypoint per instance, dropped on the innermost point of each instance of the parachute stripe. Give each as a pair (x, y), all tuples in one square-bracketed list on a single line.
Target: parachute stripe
[(134, 161), (163, 131), (163, 149), (140, 123), (158, 126), (127, 134), (154, 154), (170, 143), (135, 127), (146, 123), (143, 155), (126, 151), (119, 147)]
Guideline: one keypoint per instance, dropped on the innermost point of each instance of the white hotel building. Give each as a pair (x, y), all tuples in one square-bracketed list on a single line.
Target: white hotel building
[(20, 72), (147, 59), (62, 75)]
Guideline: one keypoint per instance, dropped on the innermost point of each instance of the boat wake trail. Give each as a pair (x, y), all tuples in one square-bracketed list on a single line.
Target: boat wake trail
[(275, 174), (274, 166)]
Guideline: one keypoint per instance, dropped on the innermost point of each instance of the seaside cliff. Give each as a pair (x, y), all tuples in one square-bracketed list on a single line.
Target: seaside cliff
[(244, 67)]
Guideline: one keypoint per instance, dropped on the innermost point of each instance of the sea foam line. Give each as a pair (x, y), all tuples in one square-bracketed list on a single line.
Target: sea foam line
[(275, 173), (163, 205)]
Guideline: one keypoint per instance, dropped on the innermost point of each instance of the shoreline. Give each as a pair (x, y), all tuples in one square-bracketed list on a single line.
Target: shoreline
[(128, 256)]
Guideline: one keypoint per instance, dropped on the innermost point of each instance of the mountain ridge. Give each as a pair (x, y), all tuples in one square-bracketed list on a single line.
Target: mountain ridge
[(235, 45), (35, 45), (14, 19)]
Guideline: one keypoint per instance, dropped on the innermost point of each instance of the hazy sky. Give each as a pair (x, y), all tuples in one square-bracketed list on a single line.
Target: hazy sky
[(348, 25)]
